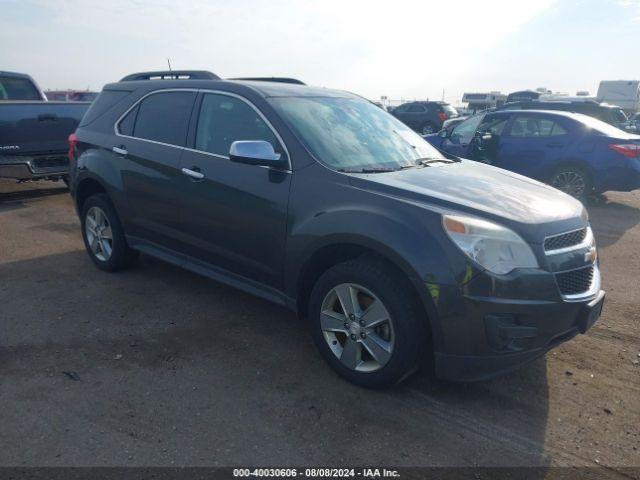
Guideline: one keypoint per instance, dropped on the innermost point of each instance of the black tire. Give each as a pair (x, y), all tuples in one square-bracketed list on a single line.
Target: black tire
[(121, 255), (411, 341), (573, 180), (427, 128)]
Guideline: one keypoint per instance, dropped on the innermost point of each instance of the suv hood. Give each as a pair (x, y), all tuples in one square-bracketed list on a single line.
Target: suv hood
[(531, 208)]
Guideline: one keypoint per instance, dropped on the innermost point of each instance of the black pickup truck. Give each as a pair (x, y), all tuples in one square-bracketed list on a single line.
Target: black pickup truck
[(34, 132)]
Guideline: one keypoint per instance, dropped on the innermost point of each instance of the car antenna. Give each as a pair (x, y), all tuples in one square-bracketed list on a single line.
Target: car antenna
[(169, 63)]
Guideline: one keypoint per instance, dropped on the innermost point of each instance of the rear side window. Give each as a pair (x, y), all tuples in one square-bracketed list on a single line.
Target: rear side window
[(164, 117), (415, 108), (18, 89), (224, 119), (533, 127)]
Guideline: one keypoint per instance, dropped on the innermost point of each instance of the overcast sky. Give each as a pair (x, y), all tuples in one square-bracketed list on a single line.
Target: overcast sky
[(399, 48)]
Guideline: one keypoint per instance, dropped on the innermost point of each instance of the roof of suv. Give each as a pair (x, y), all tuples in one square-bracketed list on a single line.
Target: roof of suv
[(266, 89), (266, 86)]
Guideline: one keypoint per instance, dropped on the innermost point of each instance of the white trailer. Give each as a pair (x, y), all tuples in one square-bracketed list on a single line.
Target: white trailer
[(624, 93)]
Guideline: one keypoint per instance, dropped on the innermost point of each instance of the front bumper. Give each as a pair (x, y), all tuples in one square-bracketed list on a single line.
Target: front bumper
[(508, 334), (34, 167), (494, 323)]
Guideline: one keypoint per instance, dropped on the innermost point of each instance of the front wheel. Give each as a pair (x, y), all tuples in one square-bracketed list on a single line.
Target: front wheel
[(367, 324), (572, 180)]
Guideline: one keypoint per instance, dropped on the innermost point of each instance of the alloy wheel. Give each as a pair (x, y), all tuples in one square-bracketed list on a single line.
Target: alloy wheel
[(99, 234), (570, 182), (357, 327)]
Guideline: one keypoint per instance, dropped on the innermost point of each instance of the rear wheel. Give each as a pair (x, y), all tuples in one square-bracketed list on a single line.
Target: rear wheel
[(572, 180), (367, 324), (103, 235)]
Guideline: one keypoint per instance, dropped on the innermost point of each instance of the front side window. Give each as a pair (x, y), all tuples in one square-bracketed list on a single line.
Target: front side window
[(493, 125), (224, 119), (349, 133), (163, 117)]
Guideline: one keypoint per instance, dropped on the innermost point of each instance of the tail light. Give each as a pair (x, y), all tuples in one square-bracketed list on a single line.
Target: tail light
[(73, 142), (442, 116), (629, 150)]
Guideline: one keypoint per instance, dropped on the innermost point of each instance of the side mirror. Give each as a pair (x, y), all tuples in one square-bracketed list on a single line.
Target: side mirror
[(254, 152)]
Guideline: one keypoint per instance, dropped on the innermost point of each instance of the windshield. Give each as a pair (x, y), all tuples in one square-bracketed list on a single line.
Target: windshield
[(602, 127), (353, 134)]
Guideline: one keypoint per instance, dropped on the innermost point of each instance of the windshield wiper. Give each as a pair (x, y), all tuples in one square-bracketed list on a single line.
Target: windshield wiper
[(427, 161), (367, 170)]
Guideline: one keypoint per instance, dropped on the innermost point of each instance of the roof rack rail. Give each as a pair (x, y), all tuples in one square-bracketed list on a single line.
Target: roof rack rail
[(172, 75), (295, 81)]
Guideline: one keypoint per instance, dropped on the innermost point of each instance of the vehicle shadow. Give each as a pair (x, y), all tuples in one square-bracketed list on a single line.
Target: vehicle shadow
[(503, 421), (14, 195), (158, 356), (611, 217)]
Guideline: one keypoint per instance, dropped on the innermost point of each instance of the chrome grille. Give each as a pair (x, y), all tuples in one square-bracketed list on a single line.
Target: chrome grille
[(575, 282), (565, 240)]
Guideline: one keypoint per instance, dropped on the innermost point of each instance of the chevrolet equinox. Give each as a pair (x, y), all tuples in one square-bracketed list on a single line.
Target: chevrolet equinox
[(315, 199)]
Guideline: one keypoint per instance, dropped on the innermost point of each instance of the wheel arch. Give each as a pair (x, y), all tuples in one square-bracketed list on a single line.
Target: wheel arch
[(85, 188), (571, 162), (337, 250)]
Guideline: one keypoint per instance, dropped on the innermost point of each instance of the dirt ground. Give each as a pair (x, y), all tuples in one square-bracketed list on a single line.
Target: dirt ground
[(158, 366)]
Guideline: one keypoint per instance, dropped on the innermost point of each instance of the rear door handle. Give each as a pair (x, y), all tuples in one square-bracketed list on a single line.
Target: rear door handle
[(120, 150), (193, 173)]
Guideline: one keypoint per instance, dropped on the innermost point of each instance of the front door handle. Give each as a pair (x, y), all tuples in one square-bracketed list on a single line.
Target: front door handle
[(120, 150), (193, 173)]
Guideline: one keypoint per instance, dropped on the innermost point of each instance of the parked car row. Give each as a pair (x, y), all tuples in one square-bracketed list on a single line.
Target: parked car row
[(424, 117), (573, 152)]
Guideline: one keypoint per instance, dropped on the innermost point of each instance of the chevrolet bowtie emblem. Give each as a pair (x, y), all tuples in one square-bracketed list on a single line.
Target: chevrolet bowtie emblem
[(591, 256)]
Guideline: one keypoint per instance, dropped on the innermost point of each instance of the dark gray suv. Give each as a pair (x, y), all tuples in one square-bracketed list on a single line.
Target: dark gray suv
[(320, 201)]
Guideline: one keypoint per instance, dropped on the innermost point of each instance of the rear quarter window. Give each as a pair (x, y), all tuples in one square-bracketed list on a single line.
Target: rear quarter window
[(103, 103)]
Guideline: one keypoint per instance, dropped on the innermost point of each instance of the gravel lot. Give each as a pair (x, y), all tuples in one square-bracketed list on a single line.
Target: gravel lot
[(158, 366)]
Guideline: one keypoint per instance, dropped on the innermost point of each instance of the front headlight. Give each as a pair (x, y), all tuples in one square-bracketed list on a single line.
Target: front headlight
[(494, 247)]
